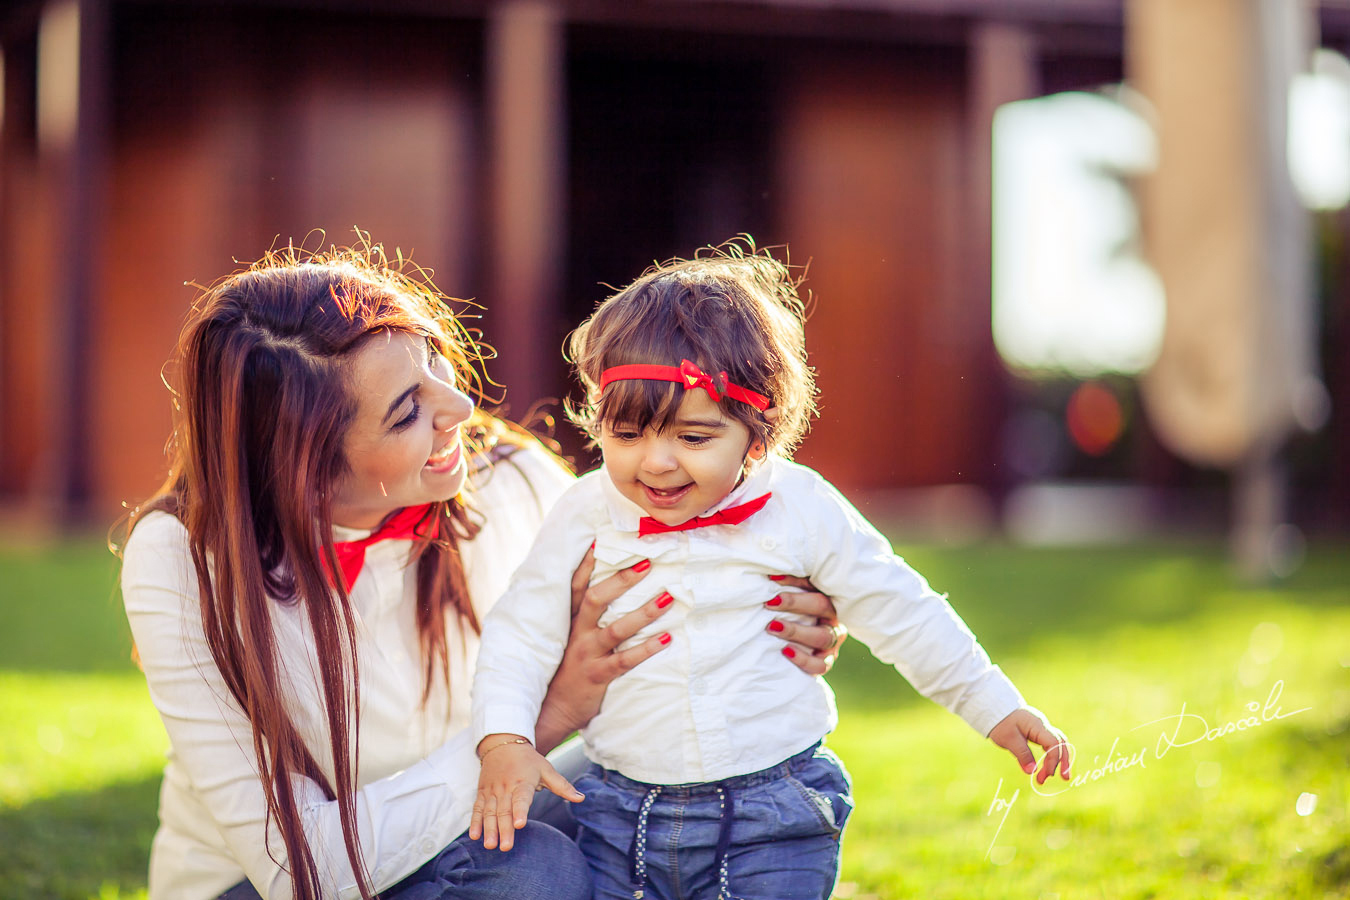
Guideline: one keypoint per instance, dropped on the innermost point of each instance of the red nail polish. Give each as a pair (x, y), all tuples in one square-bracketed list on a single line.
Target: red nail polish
[(665, 638), (777, 577), (789, 652), (775, 626), (664, 600), (592, 545), (642, 566), (776, 601)]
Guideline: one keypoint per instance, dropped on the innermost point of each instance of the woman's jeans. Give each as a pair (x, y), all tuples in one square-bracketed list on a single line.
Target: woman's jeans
[(773, 834), (543, 865)]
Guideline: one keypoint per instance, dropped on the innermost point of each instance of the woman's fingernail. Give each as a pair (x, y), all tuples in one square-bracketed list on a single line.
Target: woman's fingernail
[(592, 545), (665, 638), (775, 625), (777, 577), (642, 566), (789, 652), (664, 600), (776, 601)]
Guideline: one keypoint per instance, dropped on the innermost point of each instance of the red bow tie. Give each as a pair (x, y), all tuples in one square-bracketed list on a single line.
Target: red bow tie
[(351, 555), (732, 515)]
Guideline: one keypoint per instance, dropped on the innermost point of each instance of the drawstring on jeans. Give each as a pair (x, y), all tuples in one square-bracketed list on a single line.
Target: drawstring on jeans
[(725, 819), (637, 853)]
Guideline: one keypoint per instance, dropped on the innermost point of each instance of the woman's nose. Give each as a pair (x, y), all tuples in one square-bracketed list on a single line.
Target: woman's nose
[(453, 408)]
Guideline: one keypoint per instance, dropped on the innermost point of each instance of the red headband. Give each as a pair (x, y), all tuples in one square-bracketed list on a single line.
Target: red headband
[(689, 375)]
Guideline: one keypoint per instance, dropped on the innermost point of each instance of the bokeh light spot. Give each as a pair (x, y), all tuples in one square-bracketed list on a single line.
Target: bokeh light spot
[(1094, 418)]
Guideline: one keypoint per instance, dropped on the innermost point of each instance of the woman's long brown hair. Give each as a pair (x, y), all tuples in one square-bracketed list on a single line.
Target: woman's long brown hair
[(262, 405)]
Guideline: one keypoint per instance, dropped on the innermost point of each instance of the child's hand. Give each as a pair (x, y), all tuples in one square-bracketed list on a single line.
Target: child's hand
[(512, 771), (1026, 724)]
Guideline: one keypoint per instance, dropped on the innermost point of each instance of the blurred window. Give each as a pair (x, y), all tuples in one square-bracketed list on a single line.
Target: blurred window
[(1319, 132), (1071, 294)]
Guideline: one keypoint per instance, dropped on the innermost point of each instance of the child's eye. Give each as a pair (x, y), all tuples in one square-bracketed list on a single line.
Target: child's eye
[(409, 419), (624, 434), (696, 440)]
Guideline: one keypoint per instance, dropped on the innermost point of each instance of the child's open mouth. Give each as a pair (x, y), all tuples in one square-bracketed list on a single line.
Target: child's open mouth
[(666, 497)]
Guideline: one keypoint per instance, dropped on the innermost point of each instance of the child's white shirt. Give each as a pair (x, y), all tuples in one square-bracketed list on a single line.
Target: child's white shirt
[(722, 700)]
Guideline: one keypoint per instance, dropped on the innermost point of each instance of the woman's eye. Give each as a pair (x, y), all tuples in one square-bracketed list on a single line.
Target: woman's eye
[(410, 418)]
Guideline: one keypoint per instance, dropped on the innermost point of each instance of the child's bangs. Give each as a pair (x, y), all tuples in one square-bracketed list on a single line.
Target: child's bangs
[(640, 403)]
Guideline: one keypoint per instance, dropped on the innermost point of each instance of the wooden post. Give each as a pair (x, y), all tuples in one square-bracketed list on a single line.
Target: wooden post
[(525, 51)]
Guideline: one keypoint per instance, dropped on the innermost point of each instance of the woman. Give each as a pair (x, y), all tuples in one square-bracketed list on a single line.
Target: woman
[(305, 593)]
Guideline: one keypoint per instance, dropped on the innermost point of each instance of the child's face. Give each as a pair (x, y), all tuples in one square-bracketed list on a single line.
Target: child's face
[(677, 474)]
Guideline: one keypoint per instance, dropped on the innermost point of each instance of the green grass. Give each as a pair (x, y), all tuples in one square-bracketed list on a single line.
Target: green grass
[(1104, 640)]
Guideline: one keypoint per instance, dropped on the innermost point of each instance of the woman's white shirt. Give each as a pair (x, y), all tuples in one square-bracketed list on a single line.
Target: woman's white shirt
[(418, 772)]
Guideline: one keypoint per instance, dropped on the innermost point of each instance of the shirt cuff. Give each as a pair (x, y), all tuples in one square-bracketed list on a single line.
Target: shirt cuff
[(505, 718), (992, 702)]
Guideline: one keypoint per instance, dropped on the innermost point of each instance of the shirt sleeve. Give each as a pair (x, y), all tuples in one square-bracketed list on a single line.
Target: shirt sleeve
[(403, 820), (891, 608), (526, 631)]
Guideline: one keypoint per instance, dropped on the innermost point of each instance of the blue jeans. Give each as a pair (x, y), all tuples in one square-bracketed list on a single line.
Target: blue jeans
[(773, 834), (564, 868), (543, 865)]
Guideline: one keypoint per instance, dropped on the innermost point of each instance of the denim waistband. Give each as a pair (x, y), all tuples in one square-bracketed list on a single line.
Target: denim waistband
[(710, 788)]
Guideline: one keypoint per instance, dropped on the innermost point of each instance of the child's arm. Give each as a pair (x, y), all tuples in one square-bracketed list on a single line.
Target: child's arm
[(512, 771), (1027, 724), (893, 610)]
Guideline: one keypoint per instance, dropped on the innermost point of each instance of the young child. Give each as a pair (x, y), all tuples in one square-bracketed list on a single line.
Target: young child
[(708, 776)]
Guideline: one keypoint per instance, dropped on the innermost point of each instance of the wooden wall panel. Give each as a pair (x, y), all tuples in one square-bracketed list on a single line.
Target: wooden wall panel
[(871, 181)]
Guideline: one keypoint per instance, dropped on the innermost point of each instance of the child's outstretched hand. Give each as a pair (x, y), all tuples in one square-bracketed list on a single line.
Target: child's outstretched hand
[(512, 771), (1026, 724)]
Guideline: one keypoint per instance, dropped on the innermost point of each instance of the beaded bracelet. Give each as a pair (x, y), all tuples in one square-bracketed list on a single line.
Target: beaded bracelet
[(519, 740)]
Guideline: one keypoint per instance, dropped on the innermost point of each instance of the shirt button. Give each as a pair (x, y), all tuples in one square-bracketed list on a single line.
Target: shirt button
[(399, 656), (768, 543), (428, 846), (699, 686)]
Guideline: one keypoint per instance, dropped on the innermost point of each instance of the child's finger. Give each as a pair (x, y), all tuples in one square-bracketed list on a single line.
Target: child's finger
[(506, 831), (559, 785), (476, 819), (520, 807), (490, 824)]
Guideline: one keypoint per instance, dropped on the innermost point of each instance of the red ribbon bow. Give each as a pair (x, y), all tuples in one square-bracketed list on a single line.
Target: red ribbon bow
[(351, 555), (732, 515), (694, 377), (689, 375)]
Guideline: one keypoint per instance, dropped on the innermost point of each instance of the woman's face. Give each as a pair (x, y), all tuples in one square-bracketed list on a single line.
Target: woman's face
[(404, 446)]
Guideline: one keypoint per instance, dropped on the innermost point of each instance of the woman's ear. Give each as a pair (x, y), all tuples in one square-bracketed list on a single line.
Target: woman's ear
[(771, 414)]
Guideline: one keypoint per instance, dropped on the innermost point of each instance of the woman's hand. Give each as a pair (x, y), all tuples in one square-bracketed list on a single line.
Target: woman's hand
[(812, 648), (590, 661)]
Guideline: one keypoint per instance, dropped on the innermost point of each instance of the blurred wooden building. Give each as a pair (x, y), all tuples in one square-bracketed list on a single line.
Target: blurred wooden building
[(529, 151)]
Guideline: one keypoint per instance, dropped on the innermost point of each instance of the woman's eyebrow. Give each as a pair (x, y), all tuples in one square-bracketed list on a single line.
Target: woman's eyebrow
[(398, 401)]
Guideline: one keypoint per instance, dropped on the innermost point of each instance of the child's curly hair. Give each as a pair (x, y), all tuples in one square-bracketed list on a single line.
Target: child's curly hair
[(732, 309)]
